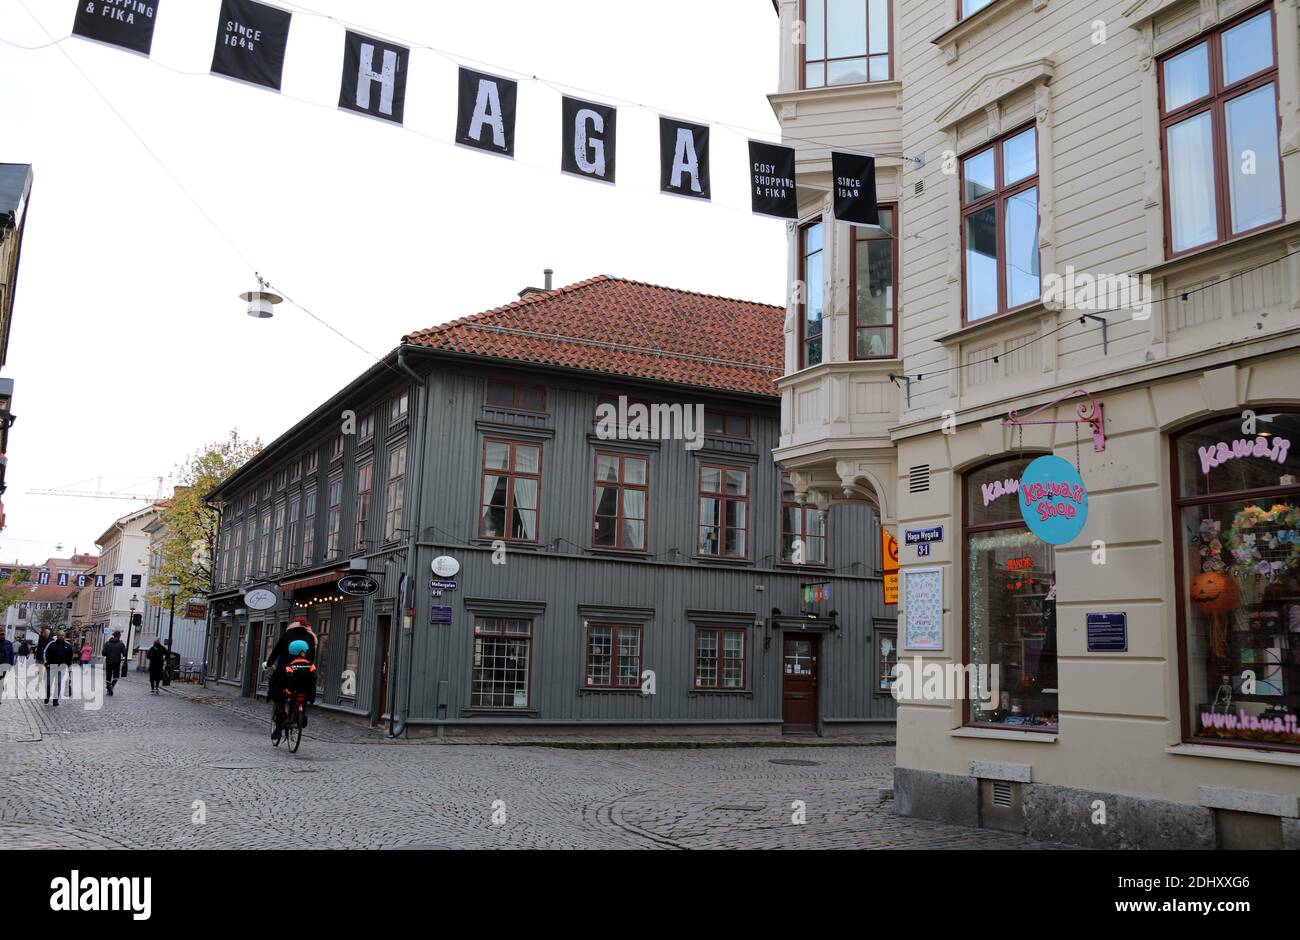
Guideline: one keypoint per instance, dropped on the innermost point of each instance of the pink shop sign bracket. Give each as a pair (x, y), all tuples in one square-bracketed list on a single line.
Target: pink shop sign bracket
[(1088, 412)]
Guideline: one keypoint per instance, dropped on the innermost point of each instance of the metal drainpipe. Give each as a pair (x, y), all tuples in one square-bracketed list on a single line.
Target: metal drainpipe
[(417, 461)]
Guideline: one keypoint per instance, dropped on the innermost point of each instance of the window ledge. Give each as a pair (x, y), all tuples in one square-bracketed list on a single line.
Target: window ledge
[(480, 712), (999, 734), (1260, 756), (961, 30), (601, 689), (724, 562), (992, 324), (821, 92), (748, 693), (1239, 248)]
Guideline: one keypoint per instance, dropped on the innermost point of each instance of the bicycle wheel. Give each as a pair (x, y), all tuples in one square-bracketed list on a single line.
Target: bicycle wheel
[(294, 733)]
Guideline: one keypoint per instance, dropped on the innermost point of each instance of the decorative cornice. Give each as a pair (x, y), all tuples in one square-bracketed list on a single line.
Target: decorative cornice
[(996, 85)]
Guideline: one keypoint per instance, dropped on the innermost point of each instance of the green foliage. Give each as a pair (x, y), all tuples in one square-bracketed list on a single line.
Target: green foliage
[(189, 525)]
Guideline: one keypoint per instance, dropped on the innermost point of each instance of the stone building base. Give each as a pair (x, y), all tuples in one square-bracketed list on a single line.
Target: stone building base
[(1063, 814)]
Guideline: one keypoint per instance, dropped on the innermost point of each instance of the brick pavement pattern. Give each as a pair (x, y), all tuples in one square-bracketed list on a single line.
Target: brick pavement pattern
[(133, 774)]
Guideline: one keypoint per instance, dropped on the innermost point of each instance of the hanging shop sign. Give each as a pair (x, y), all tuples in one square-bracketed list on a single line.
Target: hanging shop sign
[(485, 112), (1108, 632), (684, 159), (374, 77), (251, 40), (588, 139), (358, 585), (1053, 499), (127, 24), (854, 178), (444, 566), (260, 599), (439, 615), (195, 611), (889, 565), (772, 189), (816, 592)]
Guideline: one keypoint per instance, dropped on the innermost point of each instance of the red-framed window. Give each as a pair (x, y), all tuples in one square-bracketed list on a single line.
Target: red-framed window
[(395, 493), (511, 490), (873, 288), (803, 529), (1236, 529), (726, 424), (966, 8), (613, 656), (309, 527), (398, 406), (999, 226), (502, 662), (277, 545), (514, 395), (1219, 127), (846, 42), (621, 502), (352, 647), (334, 518), (295, 525), (365, 482), (811, 271), (720, 657), (724, 511)]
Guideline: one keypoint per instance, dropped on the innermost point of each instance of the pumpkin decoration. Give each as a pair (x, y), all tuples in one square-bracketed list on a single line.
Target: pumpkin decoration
[(1215, 593)]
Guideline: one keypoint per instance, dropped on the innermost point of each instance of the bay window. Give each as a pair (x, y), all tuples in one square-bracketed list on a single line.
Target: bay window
[(811, 259), (999, 226), (1219, 134), (846, 42), (873, 290)]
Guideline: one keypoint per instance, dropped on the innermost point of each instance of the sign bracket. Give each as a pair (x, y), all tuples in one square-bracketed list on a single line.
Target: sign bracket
[(1090, 412)]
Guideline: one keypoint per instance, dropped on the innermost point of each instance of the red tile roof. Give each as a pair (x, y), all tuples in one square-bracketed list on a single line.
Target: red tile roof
[(620, 327)]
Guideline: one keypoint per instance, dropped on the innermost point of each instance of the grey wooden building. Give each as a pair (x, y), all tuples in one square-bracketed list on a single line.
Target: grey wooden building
[(592, 570)]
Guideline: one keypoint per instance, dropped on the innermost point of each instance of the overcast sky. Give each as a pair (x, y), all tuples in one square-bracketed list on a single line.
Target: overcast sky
[(130, 347)]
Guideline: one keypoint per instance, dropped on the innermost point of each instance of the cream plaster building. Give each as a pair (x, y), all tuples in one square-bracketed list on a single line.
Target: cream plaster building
[(1149, 667)]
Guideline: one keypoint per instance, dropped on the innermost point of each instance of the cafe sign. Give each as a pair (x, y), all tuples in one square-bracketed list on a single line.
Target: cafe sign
[(1053, 500), (358, 585)]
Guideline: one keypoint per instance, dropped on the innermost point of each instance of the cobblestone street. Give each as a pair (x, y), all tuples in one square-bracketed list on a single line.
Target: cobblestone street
[(129, 775)]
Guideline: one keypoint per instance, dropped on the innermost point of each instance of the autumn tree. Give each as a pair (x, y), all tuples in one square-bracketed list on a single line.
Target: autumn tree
[(188, 542), (15, 589)]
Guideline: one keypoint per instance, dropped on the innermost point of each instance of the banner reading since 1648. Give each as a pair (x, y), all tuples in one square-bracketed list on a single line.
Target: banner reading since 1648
[(251, 40)]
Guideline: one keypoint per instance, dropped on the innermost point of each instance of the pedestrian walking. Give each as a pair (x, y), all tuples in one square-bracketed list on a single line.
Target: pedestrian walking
[(6, 661), (43, 642), (114, 656), (157, 656), (24, 653), (58, 661)]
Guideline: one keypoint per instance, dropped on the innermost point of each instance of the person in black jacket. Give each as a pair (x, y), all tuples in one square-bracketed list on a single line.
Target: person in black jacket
[(44, 641), (6, 660), (58, 660), (114, 656), (298, 629), (157, 656)]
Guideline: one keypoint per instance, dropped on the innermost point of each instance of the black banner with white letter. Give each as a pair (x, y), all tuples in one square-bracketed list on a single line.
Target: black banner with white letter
[(251, 39), (374, 77), (485, 112), (854, 178), (127, 24), (771, 177), (588, 139), (683, 158)]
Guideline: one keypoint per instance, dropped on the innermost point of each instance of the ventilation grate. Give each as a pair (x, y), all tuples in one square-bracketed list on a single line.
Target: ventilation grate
[(919, 188), (1001, 793), (918, 479)]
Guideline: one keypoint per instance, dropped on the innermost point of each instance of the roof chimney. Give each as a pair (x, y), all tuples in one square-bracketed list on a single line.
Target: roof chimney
[(530, 291)]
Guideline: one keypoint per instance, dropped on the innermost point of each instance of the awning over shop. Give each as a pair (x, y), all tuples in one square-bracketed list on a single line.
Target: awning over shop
[(300, 583)]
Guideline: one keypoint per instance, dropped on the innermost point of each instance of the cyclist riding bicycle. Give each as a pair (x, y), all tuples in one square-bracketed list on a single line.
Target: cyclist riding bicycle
[(298, 677)]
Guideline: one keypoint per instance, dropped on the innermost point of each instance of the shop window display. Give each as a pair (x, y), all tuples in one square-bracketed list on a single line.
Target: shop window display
[(1238, 511), (1010, 588)]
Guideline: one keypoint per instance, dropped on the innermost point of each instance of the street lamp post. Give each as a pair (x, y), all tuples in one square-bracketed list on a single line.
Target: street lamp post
[(130, 622), (172, 587)]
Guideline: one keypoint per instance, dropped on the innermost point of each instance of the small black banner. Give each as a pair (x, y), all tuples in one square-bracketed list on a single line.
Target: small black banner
[(855, 188), (374, 77), (485, 112), (127, 24), (771, 171), (588, 139), (683, 158), (251, 39)]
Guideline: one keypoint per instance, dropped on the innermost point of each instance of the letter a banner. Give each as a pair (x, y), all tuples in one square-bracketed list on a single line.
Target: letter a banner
[(374, 77), (683, 159), (485, 112), (127, 24), (771, 171), (251, 39), (855, 188), (588, 139)]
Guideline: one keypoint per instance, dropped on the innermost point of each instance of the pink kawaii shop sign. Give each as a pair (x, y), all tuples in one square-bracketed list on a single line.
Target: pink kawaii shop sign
[(1053, 500)]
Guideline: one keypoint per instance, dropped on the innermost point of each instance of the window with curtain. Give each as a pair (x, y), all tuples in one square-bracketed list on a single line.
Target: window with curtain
[(999, 195), (395, 493), (846, 42), (512, 478), (1219, 130), (724, 512), (621, 497)]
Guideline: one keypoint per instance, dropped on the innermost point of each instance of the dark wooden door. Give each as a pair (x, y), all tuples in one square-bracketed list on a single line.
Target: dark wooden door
[(254, 658), (799, 657), (385, 626)]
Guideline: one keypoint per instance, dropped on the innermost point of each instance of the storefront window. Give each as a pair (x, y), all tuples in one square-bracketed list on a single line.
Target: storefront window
[(1238, 499), (1010, 605)]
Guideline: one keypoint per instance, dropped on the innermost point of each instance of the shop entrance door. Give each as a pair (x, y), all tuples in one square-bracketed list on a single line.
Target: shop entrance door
[(385, 626), (799, 684), (253, 658)]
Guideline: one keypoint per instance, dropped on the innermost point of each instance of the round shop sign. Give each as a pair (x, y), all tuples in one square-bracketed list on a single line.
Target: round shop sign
[(444, 566), (1053, 500), (260, 599), (358, 585)]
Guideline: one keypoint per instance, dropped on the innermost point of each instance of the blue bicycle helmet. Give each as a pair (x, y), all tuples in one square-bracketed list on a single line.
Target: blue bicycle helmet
[(298, 648)]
